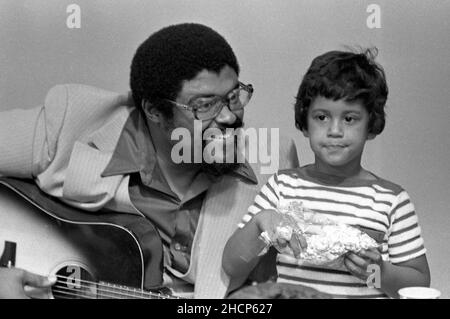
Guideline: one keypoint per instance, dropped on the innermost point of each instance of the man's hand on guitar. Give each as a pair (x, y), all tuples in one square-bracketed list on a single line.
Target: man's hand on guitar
[(14, 280)]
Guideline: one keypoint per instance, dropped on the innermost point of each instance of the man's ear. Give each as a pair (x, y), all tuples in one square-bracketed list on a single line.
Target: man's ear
[(152, 113)]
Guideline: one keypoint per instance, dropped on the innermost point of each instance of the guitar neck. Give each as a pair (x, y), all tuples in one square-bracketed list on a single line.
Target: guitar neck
[(112, 291), (67, 288)]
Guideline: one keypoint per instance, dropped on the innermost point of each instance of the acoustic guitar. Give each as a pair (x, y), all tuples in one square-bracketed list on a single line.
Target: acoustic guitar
[(92, 255)]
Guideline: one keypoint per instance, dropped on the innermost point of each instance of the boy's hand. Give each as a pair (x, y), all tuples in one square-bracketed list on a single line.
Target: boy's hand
[(268, 221), (358, 263)]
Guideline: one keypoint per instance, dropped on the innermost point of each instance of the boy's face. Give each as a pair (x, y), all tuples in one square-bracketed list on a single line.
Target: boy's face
[(337, 131)]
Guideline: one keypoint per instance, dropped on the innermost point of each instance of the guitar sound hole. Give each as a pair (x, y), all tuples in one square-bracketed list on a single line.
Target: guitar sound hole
[(74, 282)]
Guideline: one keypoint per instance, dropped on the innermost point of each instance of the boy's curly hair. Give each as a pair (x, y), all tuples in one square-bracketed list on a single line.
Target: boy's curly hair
[(172, 55), (345, 75)]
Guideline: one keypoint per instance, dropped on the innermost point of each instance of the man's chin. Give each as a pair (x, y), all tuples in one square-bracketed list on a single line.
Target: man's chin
[(223, 163)]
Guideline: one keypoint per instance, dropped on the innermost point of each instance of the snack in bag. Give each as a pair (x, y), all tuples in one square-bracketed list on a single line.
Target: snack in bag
[(327, 240)]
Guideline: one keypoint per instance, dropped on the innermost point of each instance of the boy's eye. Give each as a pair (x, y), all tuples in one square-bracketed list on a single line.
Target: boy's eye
[(349, 119), (320, 117)]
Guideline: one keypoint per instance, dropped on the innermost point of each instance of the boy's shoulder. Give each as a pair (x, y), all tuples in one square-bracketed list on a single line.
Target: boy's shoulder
[(384, 185), (381, 185), (296, 172), (294, 176), (288, 171)]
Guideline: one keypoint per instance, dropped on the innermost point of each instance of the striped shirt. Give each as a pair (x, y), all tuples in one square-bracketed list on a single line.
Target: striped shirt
[(375, 204)]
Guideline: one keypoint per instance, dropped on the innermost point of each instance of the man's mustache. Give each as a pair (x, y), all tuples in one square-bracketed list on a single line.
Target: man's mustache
[(235, 125)]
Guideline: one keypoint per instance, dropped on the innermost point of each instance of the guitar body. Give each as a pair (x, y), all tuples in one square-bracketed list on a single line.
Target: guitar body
[(53, 238)]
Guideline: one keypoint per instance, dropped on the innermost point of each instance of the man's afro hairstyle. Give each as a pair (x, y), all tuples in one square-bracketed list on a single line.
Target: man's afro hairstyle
[(174, 54)]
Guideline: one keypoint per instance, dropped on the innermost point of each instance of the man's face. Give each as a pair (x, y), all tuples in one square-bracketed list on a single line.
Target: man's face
[(337, 131), (204, 88)]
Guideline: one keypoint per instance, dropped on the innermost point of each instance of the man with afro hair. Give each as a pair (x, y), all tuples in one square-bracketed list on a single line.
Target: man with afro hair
[(101, 151)]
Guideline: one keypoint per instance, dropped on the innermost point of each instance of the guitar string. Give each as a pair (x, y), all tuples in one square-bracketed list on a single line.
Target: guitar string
[(57, 293), (87, 295), (115, 289), (67, 293), (64, 297), (102, 293), (62, 293), (111, 286), (105, 294)]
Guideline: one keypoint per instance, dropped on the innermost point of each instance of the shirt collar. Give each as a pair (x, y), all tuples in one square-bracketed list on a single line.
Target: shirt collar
[(245, 170), (135, 152)]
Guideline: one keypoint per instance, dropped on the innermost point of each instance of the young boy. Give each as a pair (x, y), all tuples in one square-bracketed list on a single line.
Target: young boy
[(340, 105)]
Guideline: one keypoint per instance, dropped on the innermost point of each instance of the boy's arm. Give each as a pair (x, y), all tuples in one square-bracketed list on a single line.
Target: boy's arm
[(414, 272), (241, 252), (411, 273), (408, 265), (242, 249)]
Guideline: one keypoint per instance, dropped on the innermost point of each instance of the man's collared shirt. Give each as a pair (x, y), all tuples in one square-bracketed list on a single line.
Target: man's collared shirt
[(176, 219)]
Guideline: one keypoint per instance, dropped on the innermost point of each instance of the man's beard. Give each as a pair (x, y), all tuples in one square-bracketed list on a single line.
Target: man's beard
[(220, 169), (210, 167)]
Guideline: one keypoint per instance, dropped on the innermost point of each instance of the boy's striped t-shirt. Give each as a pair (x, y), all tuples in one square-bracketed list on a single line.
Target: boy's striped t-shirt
[(376, 204)]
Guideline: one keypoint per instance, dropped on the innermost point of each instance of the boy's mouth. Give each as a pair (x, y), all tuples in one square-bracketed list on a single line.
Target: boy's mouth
[(335, 146)]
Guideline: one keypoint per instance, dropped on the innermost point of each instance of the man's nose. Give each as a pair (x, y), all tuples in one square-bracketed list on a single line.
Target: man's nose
[(335, 129), (226, 116)]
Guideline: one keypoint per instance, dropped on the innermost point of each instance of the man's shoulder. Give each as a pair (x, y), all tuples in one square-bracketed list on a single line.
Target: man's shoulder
[(82, 127), (66, 89), (73, 112), (85, 97)]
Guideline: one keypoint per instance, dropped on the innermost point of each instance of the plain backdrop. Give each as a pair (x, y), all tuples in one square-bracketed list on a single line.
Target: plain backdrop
[(275, 42)]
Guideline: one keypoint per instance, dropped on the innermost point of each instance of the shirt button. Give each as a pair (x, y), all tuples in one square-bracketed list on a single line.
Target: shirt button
[(177, 246)]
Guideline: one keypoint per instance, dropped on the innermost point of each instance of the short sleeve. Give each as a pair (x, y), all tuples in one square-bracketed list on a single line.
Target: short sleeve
[(405, 240), (267, 198)]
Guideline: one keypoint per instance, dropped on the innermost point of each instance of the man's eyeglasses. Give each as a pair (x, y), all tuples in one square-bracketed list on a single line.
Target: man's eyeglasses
[(209, 109)]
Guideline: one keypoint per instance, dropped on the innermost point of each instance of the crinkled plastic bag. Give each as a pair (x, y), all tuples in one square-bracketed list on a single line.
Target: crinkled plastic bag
[(327, 240)]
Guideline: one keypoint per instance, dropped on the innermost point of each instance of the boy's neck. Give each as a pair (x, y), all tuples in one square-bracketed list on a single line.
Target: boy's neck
[(353, 170)]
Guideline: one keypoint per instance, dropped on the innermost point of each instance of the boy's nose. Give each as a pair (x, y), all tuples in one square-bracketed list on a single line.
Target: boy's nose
[(335, 129)]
